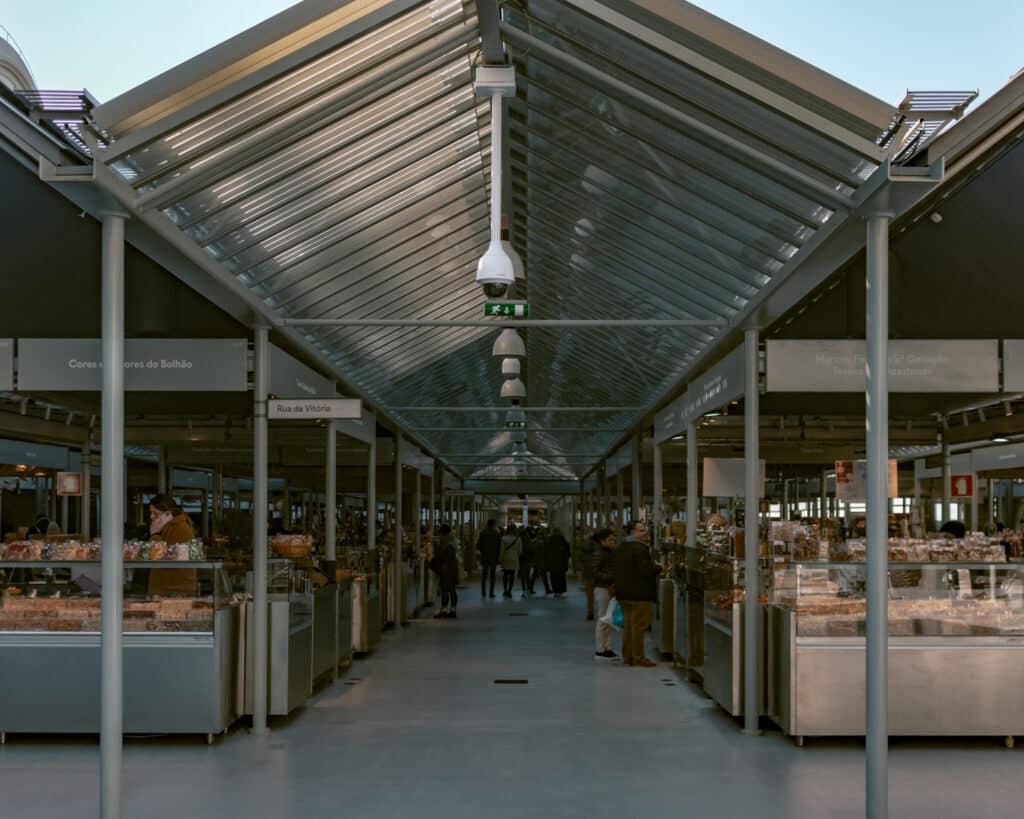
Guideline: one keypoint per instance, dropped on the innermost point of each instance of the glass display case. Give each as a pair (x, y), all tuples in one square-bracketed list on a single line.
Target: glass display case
[(956, 648), (723, 630), (179, 647)]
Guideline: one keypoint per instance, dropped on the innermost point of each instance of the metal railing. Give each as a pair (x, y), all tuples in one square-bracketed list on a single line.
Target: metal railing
[(6, 35)]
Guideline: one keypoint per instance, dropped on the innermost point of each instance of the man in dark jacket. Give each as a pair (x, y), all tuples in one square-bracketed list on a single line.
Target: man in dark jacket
[(636, 589), (556, 560), (488, 546)]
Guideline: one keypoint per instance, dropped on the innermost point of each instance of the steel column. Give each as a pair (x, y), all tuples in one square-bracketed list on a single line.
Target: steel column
[(877, 632), (417, 504), (371, 496), (331, 499), (86, 499), (622, 501), (161, 477), (261, 434), (397, 582), (823, 501), (947, 479), (637, 501), (656, 512), (991, 504), (692, 498), (112, 521), (751, 536)]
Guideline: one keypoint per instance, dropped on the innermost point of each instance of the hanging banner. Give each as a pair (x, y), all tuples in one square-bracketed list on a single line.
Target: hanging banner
[(717, 387), (7, 364), (852, 480), (837, 365), (150, 364), (298, 409), (727, 478), (290, 378)]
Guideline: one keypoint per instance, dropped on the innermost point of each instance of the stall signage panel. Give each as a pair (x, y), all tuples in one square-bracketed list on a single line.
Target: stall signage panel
[(209, 453), (41, 455), (993, 458), (150, 364), (726, 478), (670, 421), (314, 408), (852, 480), (69, 484), (1013, 365), (362, 429), (717, 387), (6, 364), (837, 365), (290, 378), (961, 486)]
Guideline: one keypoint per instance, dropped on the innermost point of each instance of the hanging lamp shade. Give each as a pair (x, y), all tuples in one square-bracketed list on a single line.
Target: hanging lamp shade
[(510, 368), (513, 388), (508, 345)]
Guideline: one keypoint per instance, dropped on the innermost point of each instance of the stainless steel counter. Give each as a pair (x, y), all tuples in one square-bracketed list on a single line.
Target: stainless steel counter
[(366, 614), (290, 655), (938, 686), (325, 633), (181, 683)]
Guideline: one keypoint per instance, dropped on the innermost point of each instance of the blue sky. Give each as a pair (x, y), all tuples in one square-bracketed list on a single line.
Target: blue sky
[(882, 47)]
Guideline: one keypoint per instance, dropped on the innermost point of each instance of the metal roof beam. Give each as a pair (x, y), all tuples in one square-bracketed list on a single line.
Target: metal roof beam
[(725, 76), (769, 166)]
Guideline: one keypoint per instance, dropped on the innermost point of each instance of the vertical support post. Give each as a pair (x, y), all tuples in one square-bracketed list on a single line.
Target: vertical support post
[(877, 632), (112, 571), (621, 519), (947, 481), (331, 499), (218, 499), (85, 509), (261, 434), (692, 498), (637, 501), (65, 520), (823, 501), (751, 536), (371, 495), (397, 568), (785, 498), (204, 510), (417, 504), (974, 503), (991, 503), (657, 514), (161, 475)]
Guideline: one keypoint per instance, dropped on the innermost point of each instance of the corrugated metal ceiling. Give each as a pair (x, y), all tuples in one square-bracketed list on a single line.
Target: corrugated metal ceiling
[(354, 184)]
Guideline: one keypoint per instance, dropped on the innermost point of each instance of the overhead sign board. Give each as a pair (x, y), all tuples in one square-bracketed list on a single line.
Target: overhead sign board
[(852, 480), (297, 409), (726, 478), (290, 378), (6, 364), (150, 364), (840, 365), (1013, 365), (40, 455), (363, 428), (670, 422), (994, 458), (717, 387)]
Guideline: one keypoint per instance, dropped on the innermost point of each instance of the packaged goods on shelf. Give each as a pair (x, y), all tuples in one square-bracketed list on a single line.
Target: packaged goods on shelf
[(75, 550)]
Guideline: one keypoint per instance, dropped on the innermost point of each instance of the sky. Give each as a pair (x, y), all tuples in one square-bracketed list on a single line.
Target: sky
[(882, 47)]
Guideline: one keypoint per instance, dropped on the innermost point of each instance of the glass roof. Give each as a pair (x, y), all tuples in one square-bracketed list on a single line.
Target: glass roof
[(355, 184)]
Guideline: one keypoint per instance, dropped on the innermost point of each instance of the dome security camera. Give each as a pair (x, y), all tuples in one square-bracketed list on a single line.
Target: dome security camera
[(495, 273)]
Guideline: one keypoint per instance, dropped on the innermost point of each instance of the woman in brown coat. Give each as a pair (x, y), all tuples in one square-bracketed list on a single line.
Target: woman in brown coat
[(167, 522)]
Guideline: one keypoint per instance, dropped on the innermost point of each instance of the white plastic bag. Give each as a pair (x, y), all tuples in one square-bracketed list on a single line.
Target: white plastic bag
[(608, 618)]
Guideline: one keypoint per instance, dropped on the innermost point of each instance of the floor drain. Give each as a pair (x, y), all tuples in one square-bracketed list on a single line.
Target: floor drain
[(511, 682)]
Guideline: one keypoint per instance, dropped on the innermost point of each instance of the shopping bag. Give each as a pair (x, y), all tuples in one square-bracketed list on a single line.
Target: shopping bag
[(613, 614)]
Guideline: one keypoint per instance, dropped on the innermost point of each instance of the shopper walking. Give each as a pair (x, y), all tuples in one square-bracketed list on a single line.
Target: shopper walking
[(603, 573), (636, 588), (540, 569), (583, 563), (527, 556), (488, 546), (446, 563), (511, 548), (556, 559)]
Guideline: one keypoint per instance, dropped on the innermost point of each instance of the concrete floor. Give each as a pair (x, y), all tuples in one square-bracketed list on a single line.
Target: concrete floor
[(419, 729)]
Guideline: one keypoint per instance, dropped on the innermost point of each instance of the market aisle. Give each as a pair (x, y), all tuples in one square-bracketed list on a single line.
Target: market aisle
[(421, 730)]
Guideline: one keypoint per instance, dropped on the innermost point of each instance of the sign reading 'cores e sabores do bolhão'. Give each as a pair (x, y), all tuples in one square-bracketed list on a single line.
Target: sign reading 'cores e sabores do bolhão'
[(150, 364)]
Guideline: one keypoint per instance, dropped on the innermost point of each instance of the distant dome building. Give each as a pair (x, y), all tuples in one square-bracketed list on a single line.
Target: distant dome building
[(14, 70)]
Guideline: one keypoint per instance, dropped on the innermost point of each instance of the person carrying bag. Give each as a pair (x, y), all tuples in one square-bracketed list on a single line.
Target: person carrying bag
[(511, 548)]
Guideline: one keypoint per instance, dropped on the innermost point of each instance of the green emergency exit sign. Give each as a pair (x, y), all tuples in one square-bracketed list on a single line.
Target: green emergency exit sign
[(515, 425), (507, 309)]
